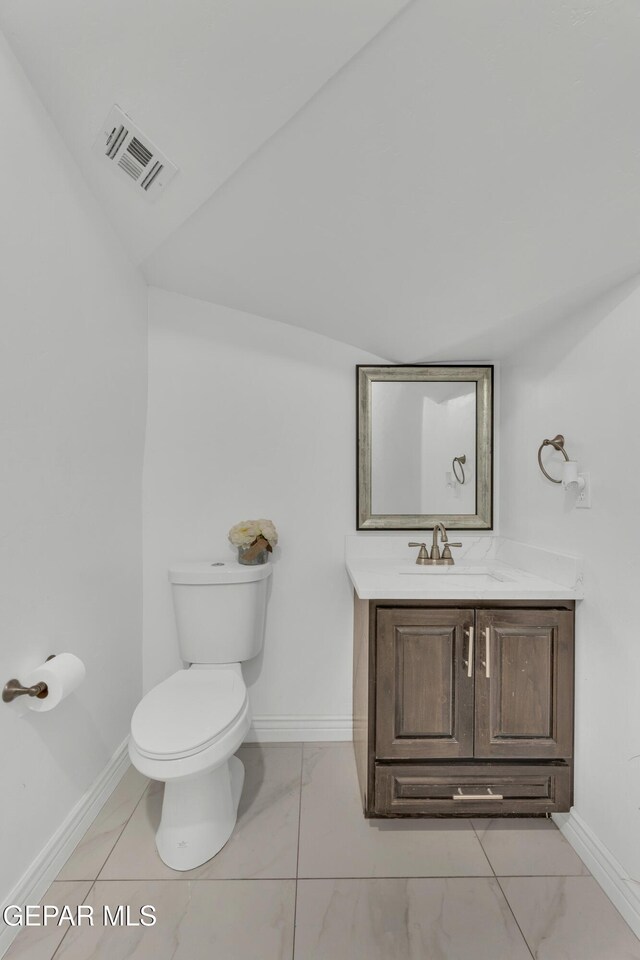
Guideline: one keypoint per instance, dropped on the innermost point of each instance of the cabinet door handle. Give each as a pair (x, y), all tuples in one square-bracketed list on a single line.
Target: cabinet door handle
[(487, 660), (470, 660)]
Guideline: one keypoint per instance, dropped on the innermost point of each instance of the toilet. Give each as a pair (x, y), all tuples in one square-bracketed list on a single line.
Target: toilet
[(186, 730)]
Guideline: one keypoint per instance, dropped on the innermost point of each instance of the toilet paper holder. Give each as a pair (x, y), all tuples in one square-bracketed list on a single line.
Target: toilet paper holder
[(13, 688)]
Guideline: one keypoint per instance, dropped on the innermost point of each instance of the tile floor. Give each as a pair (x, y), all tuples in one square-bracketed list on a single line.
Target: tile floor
[(306, 877)]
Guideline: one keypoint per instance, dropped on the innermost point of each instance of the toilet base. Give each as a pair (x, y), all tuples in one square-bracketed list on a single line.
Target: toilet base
[(198, 815)]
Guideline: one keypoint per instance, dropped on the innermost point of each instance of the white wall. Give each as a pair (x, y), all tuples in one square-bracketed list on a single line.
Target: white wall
[(72, 405), (251, 418), (448, 431), (581, 380), (396, 448)]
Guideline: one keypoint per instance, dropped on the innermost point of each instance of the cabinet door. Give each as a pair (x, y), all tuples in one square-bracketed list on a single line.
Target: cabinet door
[(424, 684), (524, 684)]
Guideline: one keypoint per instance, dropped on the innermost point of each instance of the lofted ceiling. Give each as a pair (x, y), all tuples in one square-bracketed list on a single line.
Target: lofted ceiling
[(418, 179), (208, 80)]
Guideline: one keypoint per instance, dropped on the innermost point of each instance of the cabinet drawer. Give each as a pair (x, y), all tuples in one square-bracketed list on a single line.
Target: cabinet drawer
[(495, 789)]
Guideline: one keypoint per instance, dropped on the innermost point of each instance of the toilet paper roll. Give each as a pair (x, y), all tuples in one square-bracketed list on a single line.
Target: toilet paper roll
[(62, 676), (569, 472)]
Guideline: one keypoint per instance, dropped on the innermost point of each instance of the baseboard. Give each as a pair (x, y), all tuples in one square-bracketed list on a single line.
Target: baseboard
[(274, 729), (45, 868), (623, 892)]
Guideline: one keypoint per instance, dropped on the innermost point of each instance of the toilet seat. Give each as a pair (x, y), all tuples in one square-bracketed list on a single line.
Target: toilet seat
[(187, 713)]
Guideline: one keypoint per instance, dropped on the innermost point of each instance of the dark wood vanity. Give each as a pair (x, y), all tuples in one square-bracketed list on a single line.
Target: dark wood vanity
[(464, 708)]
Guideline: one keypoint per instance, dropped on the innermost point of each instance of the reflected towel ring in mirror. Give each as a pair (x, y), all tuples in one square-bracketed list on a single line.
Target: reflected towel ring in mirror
[(558, 444), (459, 461)]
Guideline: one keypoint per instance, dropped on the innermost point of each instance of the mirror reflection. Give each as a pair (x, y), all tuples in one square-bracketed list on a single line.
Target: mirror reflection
[(417, 430)]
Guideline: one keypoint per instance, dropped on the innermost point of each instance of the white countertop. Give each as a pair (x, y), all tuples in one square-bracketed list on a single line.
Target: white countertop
[(484, 577)]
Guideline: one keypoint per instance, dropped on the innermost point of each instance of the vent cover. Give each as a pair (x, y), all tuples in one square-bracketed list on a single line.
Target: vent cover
[(133, 156)]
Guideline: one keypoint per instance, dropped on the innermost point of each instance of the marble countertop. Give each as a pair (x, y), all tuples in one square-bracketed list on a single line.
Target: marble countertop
[(498, 570)]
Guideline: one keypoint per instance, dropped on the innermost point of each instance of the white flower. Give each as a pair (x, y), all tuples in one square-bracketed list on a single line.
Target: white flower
[(244, 533), (268, 531)]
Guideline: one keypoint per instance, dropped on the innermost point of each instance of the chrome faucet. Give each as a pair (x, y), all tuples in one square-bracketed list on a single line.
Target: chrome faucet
[(445, 559), (435, 549)]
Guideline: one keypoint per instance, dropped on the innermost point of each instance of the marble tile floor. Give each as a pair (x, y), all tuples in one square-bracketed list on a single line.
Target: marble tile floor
[(305, 877)]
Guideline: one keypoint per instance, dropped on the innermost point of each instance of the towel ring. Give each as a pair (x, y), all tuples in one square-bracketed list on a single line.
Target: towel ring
[(558, 444), (459, 461)]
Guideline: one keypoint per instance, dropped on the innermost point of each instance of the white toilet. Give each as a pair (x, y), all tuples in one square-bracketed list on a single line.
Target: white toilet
[(186, 730)]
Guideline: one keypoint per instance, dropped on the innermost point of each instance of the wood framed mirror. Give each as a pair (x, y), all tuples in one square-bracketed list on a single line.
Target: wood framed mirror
[(425, 447)]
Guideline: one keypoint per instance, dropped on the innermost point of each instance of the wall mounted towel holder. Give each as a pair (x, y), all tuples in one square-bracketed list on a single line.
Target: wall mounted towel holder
[(558, 444)]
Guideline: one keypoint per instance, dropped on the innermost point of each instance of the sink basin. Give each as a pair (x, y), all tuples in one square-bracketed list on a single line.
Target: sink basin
[(459, 580), (445, 572), (457, 572)]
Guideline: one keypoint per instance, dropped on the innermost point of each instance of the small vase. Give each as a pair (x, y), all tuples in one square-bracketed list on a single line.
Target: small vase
[(261, 557)]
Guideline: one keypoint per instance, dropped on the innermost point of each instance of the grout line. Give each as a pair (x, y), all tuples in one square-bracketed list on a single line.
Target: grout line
[(124, 827), (543, 876), (295, 901), (70, 927), (392, 876), (515, 918), (101, 868), (497, 880), (121, 831), (486, 855), (495, 877), (184, 879), (414, 876)]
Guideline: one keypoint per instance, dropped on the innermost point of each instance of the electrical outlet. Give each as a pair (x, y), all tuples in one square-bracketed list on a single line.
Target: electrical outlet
[(583, 500)]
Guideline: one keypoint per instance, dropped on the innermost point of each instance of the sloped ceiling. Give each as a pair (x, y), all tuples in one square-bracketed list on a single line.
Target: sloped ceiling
[(466, 170), (208, 80)]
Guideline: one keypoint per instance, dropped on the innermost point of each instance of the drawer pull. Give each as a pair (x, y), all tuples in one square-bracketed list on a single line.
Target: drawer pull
[(470, 660), (477, 796)]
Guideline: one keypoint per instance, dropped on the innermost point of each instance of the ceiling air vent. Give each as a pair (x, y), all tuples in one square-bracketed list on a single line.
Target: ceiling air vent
[(132, 155)]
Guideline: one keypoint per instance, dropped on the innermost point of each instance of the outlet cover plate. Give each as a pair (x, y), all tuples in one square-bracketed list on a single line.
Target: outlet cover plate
[(583, 500)]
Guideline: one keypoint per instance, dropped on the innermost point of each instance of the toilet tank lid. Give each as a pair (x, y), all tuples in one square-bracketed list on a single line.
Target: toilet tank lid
[(218, 571)]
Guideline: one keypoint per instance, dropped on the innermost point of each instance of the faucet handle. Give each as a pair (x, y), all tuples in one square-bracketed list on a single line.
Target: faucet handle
[(446, 553), (423, 556)]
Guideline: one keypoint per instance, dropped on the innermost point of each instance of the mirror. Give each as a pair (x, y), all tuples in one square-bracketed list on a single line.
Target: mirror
[(425, 447)]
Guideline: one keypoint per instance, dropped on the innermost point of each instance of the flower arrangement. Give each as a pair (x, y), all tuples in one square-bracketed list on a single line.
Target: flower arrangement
[(254, 539)]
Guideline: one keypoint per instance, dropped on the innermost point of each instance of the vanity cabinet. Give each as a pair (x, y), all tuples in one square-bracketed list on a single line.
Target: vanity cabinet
[(464, 709)]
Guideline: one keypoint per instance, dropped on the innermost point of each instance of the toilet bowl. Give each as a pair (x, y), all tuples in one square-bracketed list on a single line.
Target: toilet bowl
[(186, 730)]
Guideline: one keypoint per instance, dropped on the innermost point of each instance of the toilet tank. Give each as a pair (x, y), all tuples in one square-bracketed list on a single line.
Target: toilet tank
[(220, 610)]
